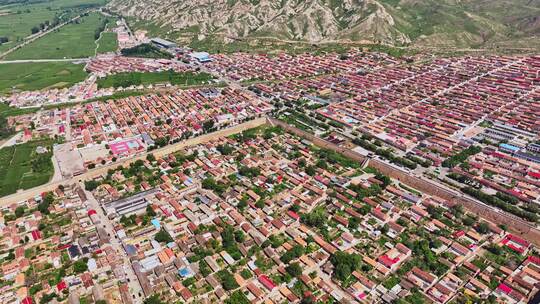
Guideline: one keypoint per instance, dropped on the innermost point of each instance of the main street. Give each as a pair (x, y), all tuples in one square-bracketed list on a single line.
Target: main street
[(26, 194), (135, 288)]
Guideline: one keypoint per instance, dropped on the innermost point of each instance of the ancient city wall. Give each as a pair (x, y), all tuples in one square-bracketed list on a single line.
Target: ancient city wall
[(514, 224), (22, 195)]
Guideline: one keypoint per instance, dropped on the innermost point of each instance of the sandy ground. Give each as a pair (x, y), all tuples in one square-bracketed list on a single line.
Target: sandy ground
[(10, 141)]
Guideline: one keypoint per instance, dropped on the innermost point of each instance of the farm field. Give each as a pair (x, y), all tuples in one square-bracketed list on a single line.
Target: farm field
[(21, 167), (36, 76), (76, 40), (17, 20), (136, 78), (107, 43)]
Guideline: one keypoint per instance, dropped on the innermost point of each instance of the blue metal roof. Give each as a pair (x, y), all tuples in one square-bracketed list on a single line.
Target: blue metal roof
[(509, 147), (156, 223)]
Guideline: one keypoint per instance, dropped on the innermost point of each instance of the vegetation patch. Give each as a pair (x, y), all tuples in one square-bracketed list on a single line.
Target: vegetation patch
[(36, 76), (75, 40), (22, 167), (138, 78), (146, 50), (107, 43)]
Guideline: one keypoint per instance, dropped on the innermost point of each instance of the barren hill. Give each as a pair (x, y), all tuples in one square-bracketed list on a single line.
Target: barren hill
[(458, 23)]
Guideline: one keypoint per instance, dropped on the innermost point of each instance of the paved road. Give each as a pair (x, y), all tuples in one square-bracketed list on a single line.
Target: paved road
[(11, 141), (135, 288), (26, 194), (428, 186)]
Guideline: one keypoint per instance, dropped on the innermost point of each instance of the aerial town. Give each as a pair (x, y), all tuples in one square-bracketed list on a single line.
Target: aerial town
[(173, 175)]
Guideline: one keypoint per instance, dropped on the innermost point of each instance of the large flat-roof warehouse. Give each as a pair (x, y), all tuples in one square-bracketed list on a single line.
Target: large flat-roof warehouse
[(163, 43)]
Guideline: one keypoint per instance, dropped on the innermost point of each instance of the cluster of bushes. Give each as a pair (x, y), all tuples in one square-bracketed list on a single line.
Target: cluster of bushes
[(462, 156), (425, 258), (332, 157), (145, 50), (101, 28), (43, 207), (344, 264), (464, 180), (237, 297), (227, 280), (5, 129), (250, 172), (46, 25), (163, 236), (426, 163), (42, 162), (362, 192), (211, 184), (409, 162), (229, 238), (295, 252), (225, 149), (495, 200), (316, 218)]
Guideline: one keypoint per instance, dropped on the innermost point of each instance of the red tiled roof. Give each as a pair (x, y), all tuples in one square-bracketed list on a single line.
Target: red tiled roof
[(27, 300), (293, 214), (504, 288), (534, 174), (61, 286), (266, 282), (36, 235), (388, 262)]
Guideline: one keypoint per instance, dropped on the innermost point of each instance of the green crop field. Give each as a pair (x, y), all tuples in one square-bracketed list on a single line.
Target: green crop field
[(21, 167), (107, 43), (17, 20), (36, 76), (75, 40), (136, 78)]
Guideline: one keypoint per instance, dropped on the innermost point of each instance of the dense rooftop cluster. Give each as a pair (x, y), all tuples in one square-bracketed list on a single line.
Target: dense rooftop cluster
[(98, 133), (264, 216), (431, 103), (250, 67), (54, 249)]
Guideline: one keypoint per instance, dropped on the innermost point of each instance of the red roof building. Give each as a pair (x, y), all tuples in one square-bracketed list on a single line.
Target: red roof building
[(266, 282), (61, 286)]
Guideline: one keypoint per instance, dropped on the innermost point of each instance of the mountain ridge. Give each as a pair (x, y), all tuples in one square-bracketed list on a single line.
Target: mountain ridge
[(442, 23)]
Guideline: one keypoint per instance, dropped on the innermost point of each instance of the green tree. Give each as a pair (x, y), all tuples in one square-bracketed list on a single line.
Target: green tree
[(292, 254), (153, 299), (344, 264), (163, 236), (316, 218), (208, 125), (294, 269), (19, 211), (150, 211), (91, 185), (237, 297), (227, 280), (80, 266), (482, 228)]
